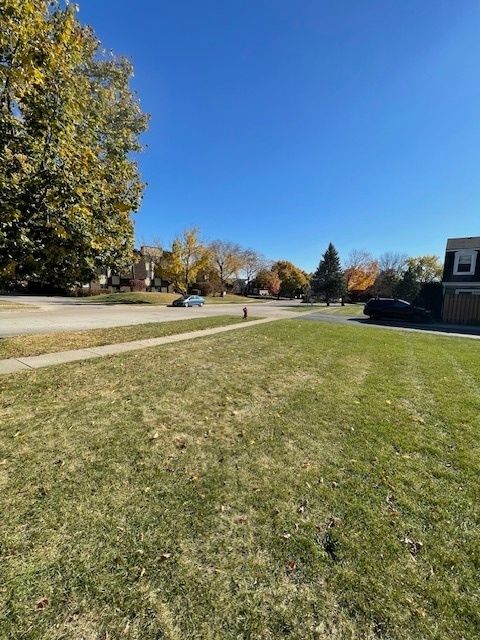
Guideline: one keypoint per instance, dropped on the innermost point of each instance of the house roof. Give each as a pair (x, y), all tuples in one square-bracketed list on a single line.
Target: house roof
[(151, 252), (463, 243)]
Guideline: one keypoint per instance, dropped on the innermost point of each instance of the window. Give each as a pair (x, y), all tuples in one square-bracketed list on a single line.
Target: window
[(465, 263)]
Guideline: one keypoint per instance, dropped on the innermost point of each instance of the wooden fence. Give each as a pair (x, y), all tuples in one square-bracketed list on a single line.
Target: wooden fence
[(461, 309)]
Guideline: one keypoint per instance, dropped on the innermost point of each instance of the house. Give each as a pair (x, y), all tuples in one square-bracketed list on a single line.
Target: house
[(461, 281), (461, 273), (140, 275), (239, 286)]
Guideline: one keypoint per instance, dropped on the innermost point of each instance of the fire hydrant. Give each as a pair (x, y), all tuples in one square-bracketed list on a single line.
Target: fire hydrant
[(245, 313)]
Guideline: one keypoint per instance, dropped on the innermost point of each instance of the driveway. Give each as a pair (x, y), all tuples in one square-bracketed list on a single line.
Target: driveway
[(54, 314)]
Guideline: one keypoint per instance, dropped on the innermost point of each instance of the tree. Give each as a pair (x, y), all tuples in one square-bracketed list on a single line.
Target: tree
[(409, 286), (391, 268), (393, 262), (361, 271), (186, 260), (68, 125), (328, 280), (292, 279), (252, 263), (227, 258), (426, 268), (267, 279)]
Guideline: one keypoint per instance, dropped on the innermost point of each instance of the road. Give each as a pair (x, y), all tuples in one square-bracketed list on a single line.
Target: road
[(54, 314)]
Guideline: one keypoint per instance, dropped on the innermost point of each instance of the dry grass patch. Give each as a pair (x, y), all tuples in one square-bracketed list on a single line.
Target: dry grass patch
[(9, 305)]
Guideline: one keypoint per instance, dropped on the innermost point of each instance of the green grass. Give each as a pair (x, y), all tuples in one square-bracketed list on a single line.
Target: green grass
[(142, 297), (134, 297), (295, 480), (33, 345), (334, 309), (231, 298)]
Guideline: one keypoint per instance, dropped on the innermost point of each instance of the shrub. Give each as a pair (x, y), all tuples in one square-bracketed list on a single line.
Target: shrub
[(137, 285)]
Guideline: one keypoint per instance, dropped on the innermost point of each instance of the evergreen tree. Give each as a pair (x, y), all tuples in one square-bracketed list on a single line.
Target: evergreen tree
[(328, 280), (409, 286)]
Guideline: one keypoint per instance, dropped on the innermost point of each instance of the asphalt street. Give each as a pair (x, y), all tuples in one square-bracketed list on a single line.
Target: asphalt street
[(55, 314)]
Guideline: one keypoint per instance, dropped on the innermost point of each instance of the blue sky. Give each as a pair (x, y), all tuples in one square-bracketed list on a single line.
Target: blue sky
[(285, 124)]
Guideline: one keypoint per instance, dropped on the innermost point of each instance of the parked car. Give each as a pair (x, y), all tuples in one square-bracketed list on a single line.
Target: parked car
[(189, 301), (396, 309)]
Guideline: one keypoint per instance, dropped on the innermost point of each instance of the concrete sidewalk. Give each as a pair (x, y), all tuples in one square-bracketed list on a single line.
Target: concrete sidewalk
[(13, 365)]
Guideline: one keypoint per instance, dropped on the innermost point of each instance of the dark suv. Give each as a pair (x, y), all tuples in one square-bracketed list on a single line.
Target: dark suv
[(398, 309)]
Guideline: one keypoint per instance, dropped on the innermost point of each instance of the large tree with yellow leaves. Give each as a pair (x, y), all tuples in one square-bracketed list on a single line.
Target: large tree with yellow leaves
[(68, 124)]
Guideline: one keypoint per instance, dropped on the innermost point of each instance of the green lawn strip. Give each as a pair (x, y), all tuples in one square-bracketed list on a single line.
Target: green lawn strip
[(135, 297), (346, 310), (232, 299), (33, 345), (300, 480), (153, 298)]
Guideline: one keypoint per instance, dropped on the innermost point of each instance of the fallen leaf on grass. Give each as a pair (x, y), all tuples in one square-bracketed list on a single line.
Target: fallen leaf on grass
[(302, 507), (40, 604), (240, 519), (165, 556), (414, 546)]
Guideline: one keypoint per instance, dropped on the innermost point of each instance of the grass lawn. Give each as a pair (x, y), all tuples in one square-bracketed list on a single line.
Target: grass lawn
[(34, 345), (336, 309), (298, 480), (232, 298), (8, 305), (146, 297), (134, 297)]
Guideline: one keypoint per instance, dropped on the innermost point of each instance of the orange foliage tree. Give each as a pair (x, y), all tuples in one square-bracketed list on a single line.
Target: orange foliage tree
[(361, 271)]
